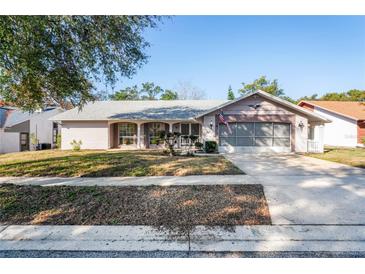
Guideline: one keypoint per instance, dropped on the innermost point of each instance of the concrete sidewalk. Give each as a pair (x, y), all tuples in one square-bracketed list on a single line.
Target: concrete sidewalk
[(145, 238), (131, 181)]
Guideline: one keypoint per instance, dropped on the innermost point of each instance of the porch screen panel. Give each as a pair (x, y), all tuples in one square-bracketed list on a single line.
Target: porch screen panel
[(127, 134), (195, 129), (184, 129)]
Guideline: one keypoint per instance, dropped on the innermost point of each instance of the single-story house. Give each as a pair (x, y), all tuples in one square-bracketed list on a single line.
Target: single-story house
[(16, 127), (258, 122), (348, 121)]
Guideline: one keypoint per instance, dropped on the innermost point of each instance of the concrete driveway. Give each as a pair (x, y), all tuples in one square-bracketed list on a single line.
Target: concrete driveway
[(305, 190)]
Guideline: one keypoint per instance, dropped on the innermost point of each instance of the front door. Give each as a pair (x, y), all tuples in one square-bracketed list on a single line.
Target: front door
[(24, 141)]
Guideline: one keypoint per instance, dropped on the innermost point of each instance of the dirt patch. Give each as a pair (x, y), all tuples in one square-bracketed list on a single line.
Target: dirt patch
[(176, 208)]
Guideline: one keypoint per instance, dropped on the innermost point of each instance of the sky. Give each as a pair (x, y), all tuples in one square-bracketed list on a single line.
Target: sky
[(306, 54)]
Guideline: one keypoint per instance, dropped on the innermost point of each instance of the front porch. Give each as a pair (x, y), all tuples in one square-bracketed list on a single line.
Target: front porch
[(146, 134)]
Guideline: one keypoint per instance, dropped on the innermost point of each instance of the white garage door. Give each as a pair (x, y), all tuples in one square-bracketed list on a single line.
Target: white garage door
[(260, 134)]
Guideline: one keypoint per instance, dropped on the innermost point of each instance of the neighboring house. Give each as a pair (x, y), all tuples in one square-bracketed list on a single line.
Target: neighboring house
[(259, 122), (16, 127), (348, 121)]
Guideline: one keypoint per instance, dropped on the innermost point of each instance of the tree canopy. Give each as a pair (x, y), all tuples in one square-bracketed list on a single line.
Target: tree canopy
[(57, 58), (148, 91), (351, 95), (263, 84)]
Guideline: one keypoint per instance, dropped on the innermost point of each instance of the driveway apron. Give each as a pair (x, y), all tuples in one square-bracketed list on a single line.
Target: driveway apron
[(304, 190)]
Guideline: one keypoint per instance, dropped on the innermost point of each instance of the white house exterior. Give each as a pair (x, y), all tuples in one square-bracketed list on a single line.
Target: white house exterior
[(348, 121), (258, 122), (17, 126)]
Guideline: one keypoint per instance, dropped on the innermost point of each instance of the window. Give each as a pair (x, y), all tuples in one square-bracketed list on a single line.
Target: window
[(127, 134), (262, 134), (54, 133)]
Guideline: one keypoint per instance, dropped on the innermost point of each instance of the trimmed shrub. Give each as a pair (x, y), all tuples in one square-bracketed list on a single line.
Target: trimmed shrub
[(211, 147), (198, 145), (76, 145)]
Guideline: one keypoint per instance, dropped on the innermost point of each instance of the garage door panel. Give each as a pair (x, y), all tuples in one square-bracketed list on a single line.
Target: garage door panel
[(281, 130), (282, 142), (223, 130), (263, 129), (263, 141), (227, 141), (259, 134), (245, 141), (245, 129)]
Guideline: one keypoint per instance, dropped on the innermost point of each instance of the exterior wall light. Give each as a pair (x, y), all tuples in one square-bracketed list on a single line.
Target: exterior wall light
[(301, 125), (211, 124)]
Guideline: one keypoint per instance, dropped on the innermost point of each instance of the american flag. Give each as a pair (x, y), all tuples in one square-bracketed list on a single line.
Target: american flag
[(223, 121)]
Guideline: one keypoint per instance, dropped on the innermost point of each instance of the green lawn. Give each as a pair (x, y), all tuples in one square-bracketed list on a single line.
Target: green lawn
[(96, 163), (349, 156)]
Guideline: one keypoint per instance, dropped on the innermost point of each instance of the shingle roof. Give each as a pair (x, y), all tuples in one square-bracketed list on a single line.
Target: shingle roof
[(10, 116), (354, 110), (16, 117), (140, 110)]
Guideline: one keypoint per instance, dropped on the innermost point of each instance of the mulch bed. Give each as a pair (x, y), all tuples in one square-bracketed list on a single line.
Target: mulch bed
[(176, 208)]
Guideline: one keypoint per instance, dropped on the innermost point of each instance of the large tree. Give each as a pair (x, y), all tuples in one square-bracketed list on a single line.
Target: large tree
[(351, 95), (129, 93), (263, 84), (58, 58), (169, 94), (148, 91)]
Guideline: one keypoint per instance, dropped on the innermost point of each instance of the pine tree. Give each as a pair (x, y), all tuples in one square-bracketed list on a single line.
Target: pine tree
[(230, 94)]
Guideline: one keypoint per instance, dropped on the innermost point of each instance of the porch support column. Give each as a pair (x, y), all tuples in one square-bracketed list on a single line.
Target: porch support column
[(138, 135), (170, 127)]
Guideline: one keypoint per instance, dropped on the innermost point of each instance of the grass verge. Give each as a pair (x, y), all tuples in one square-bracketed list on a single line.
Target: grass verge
[(176, 208), (349, 156)]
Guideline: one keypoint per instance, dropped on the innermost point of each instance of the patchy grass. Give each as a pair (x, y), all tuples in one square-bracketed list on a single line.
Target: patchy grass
[(349, 156), (176, 208), (94, 163)]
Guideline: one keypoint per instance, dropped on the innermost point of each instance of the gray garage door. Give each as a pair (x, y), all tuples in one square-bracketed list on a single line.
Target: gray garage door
[(255, 134)]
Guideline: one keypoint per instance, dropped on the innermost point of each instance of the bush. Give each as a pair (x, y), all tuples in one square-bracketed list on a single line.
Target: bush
[(170, 139), (198, 145), (363, 140), (58, 141), (76, 145), (211, 147), (33, 140)]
